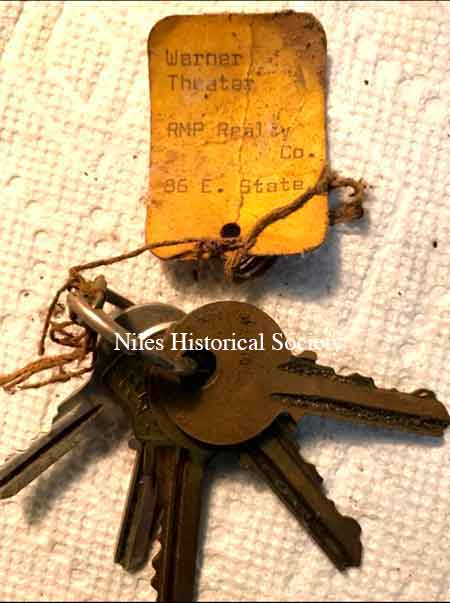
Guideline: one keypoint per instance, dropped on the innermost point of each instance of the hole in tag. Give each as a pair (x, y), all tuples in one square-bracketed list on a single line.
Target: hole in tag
[(230, 230)]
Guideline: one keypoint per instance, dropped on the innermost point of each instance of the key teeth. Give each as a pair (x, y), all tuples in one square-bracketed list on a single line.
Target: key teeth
[(350, 556), (308, 355), (156, 561), (314, 475), (156, 580), (362, 379), (288, 431)]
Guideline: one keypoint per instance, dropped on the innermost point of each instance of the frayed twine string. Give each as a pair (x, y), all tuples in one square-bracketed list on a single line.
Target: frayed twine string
[(234, 251)]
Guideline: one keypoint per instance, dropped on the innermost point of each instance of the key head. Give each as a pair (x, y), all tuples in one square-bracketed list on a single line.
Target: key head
[(89, 404), (237, 393), (226, 402), (134, 319)]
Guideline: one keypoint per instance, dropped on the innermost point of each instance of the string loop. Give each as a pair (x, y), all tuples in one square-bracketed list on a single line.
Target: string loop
[(239, 265)]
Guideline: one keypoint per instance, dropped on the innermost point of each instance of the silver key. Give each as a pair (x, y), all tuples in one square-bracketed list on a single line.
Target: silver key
[(81, 408)]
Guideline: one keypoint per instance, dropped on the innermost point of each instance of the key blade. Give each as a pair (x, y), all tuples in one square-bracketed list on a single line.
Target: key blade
[(65, 434), (180, 480), (78, 398), (274, 457), (139, 518), (93, 392), (305, 387)]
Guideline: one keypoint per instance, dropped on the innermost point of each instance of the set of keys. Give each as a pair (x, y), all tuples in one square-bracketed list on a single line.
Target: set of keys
[(186, 407)]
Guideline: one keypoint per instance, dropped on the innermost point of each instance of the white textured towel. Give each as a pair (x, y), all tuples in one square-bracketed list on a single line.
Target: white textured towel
[(74, 145)]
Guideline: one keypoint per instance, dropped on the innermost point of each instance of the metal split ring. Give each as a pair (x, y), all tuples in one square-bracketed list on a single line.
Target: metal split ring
[(103, 324)]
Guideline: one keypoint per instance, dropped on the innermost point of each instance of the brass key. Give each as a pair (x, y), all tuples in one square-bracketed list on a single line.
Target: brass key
[(273, 456), (246, 401), (250, 401), (247, 390), (276, 459)]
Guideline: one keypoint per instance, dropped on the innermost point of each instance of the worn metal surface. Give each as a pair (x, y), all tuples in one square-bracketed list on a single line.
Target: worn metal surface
[(275, 458), (165, 494), (83, 407), (236, 383), (234, 401), (247, 390)]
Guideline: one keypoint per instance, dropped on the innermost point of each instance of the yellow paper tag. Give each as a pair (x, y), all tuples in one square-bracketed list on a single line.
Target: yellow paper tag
[(237, 128)]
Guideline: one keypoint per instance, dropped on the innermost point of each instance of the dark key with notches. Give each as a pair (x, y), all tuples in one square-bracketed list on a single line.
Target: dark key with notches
[(167, 494), (251, 399), (274, 456)]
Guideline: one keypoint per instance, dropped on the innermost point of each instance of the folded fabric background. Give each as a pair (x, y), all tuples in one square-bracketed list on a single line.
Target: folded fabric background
[(74, 144)]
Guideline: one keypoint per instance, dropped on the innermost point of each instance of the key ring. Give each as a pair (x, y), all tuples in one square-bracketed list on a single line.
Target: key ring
[(102, 323)]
